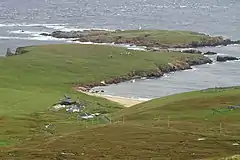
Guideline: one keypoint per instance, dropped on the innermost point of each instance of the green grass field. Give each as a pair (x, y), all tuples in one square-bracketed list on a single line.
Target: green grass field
[(162, 36), (32, 82), (149, 38), (159, 129), (165, 128)]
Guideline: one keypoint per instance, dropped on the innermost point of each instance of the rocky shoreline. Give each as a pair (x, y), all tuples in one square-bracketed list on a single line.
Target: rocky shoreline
[(139, 38), (184, 64)]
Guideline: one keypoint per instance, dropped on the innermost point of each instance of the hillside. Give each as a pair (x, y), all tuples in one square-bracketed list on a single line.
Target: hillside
[(182, 126), (31, 82)]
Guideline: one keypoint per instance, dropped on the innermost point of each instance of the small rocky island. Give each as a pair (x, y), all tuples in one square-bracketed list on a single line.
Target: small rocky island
[(148, 38), (226, 58)]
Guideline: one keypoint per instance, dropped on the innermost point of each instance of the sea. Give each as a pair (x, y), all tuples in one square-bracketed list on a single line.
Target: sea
[(22, 21)]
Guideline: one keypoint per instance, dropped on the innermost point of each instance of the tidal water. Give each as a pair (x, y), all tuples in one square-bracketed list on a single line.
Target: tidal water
[(217, 74), (21, 22)]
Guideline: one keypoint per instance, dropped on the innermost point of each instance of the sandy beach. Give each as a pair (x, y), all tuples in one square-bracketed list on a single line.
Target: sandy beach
[(127, 102)]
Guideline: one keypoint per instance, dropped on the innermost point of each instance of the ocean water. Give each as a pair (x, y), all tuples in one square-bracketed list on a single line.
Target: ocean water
[(215, 17), (217, 74)]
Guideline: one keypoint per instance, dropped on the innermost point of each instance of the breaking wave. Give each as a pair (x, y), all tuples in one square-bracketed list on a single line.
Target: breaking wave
[(33, 33), (38, 38), (61, 27), (30, 25)]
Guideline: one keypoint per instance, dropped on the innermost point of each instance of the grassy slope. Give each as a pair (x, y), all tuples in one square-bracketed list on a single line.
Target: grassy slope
[(32, 82), (145, 133), (65, 64), (163, 36)]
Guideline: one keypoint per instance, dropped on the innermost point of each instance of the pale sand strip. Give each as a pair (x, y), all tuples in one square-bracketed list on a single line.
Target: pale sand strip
[(127, 102)]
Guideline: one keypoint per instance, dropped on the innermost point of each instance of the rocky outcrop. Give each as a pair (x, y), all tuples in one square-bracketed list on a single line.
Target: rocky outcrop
[(9, 52), (209, 53), (19, 50), (226, 58), (181, 64), (45, 34), (155, 49), (60, 34), (213, 41), (193, 51), (75, 34), (199, 61)]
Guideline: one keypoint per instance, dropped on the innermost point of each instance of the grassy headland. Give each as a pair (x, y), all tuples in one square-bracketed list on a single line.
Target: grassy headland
[(149, 38)]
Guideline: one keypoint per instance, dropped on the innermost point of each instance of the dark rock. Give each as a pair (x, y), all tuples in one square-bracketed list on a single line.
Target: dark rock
[(21, 50), (154, 49), (193, 51), (155, 74), (226, 58), (60, 34), (9, 52), (203, 60), (182, 66), (237, 42), (86, 34), (45, 34), (213, 41), (227, 42), (210, 53)]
